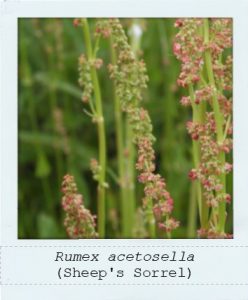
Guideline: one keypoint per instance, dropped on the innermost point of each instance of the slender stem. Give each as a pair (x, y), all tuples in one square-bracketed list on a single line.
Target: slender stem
[(192, 212), (151, 220), (210, 73), (120, 154), (219, 120), (101, 133), (129, 201), (130, 176), (197, 117), (169, 74)]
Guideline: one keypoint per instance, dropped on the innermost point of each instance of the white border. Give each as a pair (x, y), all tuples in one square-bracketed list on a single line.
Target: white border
[(11, 10)]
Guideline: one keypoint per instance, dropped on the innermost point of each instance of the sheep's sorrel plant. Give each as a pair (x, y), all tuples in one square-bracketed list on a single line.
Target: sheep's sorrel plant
[(79, 222), (130, 79), (129, 75), (88, 79), (119, 129), (204, 48)]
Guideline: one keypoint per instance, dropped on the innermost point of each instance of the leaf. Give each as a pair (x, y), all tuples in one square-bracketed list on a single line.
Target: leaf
[(63, 86), (83, 152), (47, 227), (43, 168)]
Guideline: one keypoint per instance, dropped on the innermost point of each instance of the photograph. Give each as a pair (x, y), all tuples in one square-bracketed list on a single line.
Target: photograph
[(125, 128)]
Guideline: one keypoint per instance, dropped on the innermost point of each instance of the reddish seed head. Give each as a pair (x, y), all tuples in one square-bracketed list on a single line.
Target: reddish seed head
[(177, 48), (189, 125), (142, 114), (206, 183), (185, 101), (197, 101), (226, 149), (202, 233), (76, 22), (192, 174), (228, 167), (106, 33), (189, 48), (228, 198), (79, 221), (98, 63), (162, 226), (98, 30), (218, 187), (178, 23), (157, 212), (167, 206), (195, 78), (195, 136)]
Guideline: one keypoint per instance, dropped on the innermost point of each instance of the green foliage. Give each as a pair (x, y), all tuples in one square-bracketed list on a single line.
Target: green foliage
[(57, 137)]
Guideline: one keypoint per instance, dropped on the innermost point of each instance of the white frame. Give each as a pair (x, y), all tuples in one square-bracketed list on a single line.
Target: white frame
[(10, 12)]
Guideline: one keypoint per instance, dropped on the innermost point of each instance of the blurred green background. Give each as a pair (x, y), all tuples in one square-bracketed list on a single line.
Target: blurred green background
[(56, 136)]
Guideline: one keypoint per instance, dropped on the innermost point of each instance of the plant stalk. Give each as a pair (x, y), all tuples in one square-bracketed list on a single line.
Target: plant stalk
[(120, 156), (101, 206), (192, 212), (197, 117), (219, 125), (130, 179)]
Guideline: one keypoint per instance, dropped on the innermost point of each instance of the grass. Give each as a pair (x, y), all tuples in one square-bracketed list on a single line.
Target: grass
[(49, 148)]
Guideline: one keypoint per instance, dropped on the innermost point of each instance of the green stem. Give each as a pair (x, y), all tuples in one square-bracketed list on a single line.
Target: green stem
[(197, 117), (219, 120), (192, 212), (169, 73), (129, 204), (210, 73), (151, 220), (130, 176), (101, 133), (120, 154)]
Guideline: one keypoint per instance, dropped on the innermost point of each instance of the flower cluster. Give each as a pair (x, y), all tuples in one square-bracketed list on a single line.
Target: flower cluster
[(96, 171), (85, 80), (220, 36), (79, 221), (129, 73), (213, 234), (85, 65), (210, 168), (199, 45), (95, 168), (220, 39), (188, 48), (131, 78)]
